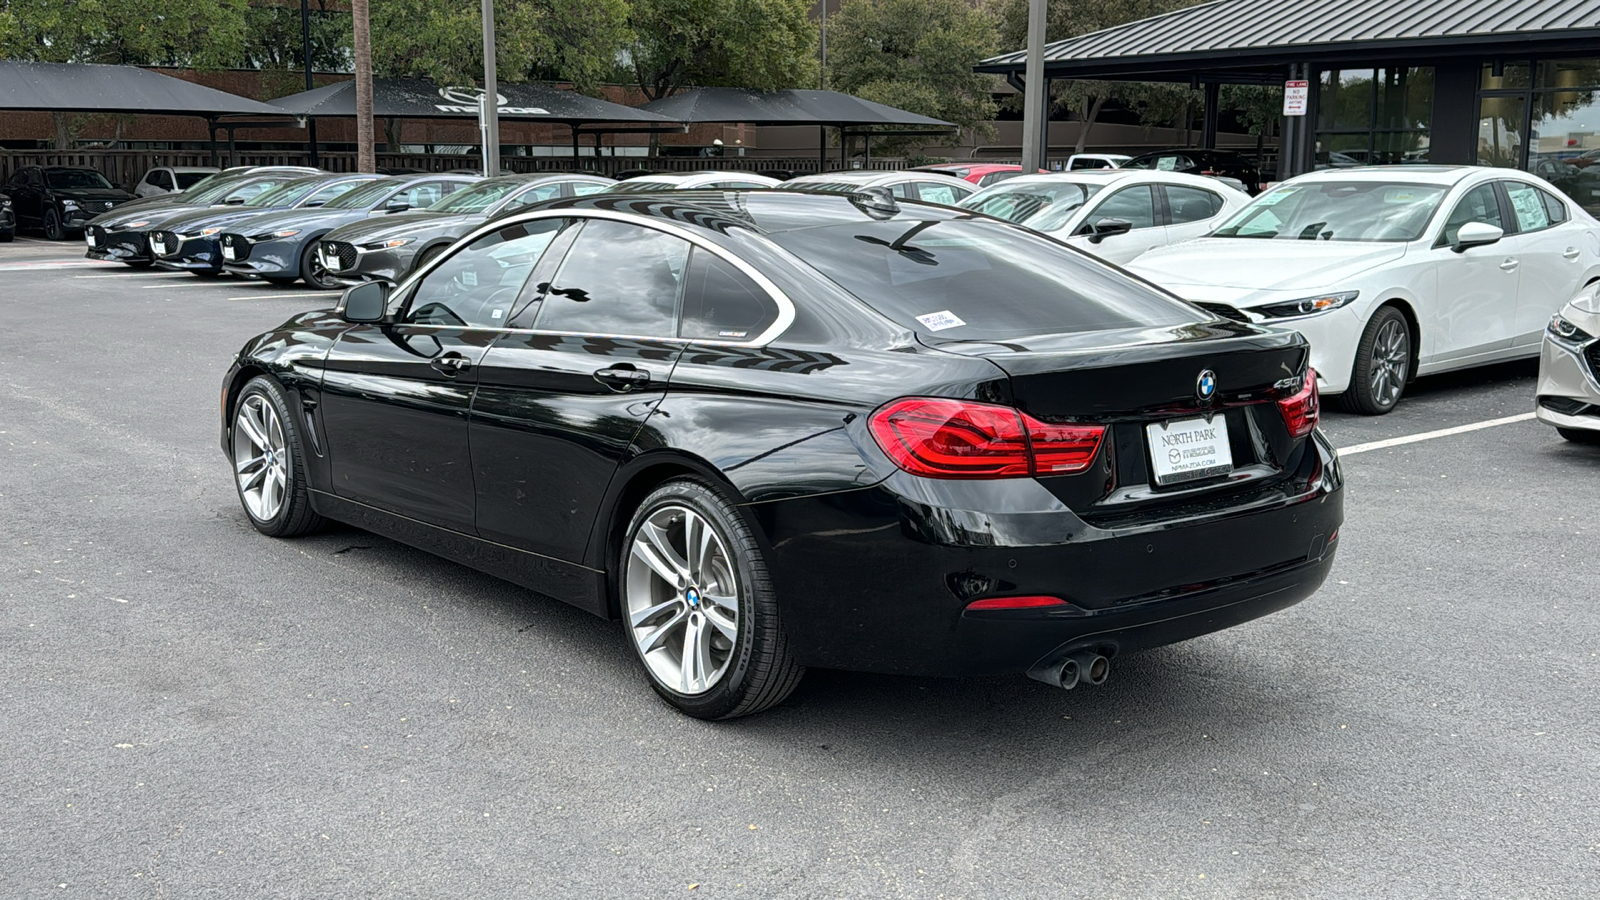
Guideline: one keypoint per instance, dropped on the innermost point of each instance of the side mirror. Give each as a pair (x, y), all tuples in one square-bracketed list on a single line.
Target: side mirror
[(233, 201), (1476, 234), (367, 302), (398, 204), (315, 203), (1109, 228)]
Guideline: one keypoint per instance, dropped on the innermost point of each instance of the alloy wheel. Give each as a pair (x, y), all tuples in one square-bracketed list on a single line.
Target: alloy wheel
[(1391, 359), (260, 457), (682, 599)]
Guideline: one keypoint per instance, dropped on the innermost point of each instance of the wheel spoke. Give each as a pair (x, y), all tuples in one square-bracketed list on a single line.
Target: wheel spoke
[(696, 662), (248, 466), (252, 430), (660, 543), (658, 637), (637, 619), (721, 622), (650, 557), (716, 598), (258, 478)]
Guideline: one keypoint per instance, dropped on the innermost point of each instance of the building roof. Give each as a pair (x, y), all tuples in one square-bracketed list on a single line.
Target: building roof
[(1246, 32), (791, 107), (89, 88), (414, 98)]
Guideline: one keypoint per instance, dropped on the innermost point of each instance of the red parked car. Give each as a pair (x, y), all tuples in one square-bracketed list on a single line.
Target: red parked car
[(980, 174)]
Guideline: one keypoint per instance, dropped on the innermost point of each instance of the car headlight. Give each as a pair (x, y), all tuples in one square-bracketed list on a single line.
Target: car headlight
[(288, 232), (388, 245), (1565, 332), (1307, 306), (137, 224), (207, 232), (69, 204), (5, 204)]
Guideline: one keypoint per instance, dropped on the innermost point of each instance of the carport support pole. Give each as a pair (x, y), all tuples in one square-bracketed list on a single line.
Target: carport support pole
[(822, 149), (1033, 98), (491, 102), (1208, 126)]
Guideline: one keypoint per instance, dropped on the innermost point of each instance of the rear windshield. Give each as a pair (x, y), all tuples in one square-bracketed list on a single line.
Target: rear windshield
[(365, 196), (1366, 211), (480, 196), (629, 187), (971, 279), (1041, 206), (286, 194)]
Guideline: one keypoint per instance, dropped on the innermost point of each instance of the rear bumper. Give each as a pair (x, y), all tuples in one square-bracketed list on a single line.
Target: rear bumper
[(880, 579)]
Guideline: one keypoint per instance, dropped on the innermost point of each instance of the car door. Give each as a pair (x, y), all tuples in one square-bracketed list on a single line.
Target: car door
[(1554, 256), (27, 196), (559, 404), (1473, 310), (396, 395), (1135, 203), (1191, 211)]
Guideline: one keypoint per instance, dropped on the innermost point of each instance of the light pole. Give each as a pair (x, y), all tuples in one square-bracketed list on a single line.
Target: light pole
[(1033, 99), (490, 111), (305, 51)]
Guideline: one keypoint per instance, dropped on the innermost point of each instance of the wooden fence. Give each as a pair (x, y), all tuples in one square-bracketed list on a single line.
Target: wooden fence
[(126, 167)]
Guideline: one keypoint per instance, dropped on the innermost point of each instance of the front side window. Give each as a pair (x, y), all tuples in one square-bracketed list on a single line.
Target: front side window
[(252, 190), (1189, 204), (161, 179), (478, 286), (331, 192), (1136, 204), (283, 195), (1479, 205), (721, 303), (1338, 211), (1162, 162), (617, 279), (934, 192)]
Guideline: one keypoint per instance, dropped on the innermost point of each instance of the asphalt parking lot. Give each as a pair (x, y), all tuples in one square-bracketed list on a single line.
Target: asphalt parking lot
[(193, 710)]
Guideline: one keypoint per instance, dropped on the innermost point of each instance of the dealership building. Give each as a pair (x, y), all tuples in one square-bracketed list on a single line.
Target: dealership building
[(1512, 83)]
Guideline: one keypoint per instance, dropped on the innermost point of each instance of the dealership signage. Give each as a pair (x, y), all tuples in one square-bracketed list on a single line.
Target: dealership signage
[(470, 100), (1295, 94)]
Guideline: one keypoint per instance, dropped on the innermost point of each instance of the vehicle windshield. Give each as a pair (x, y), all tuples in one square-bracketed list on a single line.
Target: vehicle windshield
[(188, 180), (285, 194), (212, 190), (480, 196), (976, 280), (1042, 206), (365, 196), (1368, 211), (846, 186), (70, 179), (630, 187)]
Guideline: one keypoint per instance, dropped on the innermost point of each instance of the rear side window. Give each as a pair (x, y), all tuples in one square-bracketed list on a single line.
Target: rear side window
[(1533, 207), (618, 279), (188, 180), (1191, 204), (1553, 207), (584, 188), (973, 279), (721, 303)]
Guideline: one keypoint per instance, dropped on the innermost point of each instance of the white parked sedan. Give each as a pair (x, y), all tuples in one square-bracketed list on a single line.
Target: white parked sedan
[(172, 179), (929, 187), (1115, 214), (690, 181), (1393, 271)]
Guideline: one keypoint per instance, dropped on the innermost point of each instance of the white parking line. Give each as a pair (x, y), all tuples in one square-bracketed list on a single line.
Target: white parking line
[(273, 295), (176, 284), (22, 267), (1430, 435), (129, 272)]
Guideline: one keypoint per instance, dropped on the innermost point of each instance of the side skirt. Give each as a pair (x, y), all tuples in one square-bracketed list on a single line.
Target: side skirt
[(571, 583)]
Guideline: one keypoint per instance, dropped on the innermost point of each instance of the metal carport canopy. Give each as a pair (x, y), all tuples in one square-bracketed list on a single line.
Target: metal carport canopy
[(91, 88), (415, 98), (792, 107), (1253, 34)]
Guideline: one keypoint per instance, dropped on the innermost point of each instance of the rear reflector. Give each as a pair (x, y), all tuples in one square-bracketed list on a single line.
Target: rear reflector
[(1016, 603), (1300, 410), (940, 438)]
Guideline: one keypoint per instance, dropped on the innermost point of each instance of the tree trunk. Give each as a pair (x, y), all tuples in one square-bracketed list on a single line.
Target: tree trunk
[(366, 159), (391, 134), (63, 130), (1088, 123)]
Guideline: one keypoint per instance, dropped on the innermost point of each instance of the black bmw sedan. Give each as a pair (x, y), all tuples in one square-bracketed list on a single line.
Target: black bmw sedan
[(772, 430), (389, 248)]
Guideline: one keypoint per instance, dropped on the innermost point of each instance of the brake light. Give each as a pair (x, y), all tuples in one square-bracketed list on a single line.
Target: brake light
[(1016, 603), (1301, 409), (940, 438)]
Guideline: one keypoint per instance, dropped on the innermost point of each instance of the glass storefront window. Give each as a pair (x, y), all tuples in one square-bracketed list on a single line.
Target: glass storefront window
[(1564, 143), (1544, 117), (1374, 116), (1500, 131), (1513, 75), (1569, 73)]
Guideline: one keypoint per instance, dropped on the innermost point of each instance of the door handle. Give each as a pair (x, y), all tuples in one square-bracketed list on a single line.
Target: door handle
[(1510, 265), (451, 364), (1570, 253), (622, 376)]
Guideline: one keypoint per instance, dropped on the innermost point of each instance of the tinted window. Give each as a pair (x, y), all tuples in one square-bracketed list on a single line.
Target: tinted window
[(1553, 207), (933, 192), (478, 285), (1165, 162), (1338, 211), (1136, 204), (979, 280), (1043, 206), (161, 178), (619, 279), (188, 180), (1531, 206), (365, 196), (68, 179), (1191, 204), (478, 197), (1479, 205), (721, 303)]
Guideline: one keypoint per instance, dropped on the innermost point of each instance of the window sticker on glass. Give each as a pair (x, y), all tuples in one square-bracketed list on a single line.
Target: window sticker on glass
[(940, 320), (1275, 197), (1167, 163), (1399, 195)]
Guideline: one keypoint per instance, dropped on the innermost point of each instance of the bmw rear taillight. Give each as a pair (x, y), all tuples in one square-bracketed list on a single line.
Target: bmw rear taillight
[(1301, 408), (940, 438)]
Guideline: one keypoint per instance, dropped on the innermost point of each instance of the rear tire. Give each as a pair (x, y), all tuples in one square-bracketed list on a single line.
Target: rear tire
[(6, 236), (1383, 363), (698, 605), (1579, 435), (269, 461)]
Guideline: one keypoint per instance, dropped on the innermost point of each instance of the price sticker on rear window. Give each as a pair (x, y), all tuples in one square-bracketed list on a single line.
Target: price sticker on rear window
[(941, 320)]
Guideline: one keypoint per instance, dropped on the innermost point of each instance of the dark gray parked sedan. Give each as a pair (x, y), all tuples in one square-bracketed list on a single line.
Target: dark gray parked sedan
[(389, 249), (280, 247)]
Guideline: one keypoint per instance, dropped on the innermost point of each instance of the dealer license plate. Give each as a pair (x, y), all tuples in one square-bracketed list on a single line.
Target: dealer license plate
[(227, 251), (89, 237), (159, 246), (1189, 449)]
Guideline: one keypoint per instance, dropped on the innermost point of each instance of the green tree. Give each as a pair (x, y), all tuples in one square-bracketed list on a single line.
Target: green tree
[(765, 44), (916, 55), (534, 39)]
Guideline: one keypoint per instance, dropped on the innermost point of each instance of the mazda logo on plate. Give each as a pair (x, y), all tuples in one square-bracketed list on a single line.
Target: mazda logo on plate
[(1205, 387)]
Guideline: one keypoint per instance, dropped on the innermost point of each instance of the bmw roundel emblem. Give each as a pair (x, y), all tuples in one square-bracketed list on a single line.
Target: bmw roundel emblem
[(1205, 387)]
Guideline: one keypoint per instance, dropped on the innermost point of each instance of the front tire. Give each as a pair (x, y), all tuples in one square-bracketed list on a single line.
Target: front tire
[(698, 605), (269, 461), (1383, 362), (313, 272), (52, 226), (1579, 435)]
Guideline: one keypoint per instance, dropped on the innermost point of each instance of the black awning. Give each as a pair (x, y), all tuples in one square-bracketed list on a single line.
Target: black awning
[(87, 88), (794, 107), (412, 98)]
